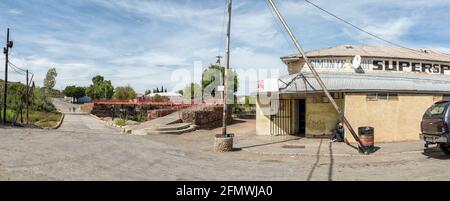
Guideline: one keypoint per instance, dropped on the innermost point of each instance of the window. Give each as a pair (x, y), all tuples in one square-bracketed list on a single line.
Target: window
[(392, 96), (437, 110), (381, 96), (446, 97), (372, 97)]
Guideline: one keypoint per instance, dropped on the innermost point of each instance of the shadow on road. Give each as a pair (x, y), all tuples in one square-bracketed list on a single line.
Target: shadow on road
[(330, 168), (370, 151), (270, 143), (315, 163), (435, 153)]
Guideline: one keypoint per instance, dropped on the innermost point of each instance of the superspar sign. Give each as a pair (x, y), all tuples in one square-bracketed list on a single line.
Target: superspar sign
[(425, 67), (390, 65)]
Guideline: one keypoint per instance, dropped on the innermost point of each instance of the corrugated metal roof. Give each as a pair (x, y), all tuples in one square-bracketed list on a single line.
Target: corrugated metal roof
[(380, 81), (375, 51)]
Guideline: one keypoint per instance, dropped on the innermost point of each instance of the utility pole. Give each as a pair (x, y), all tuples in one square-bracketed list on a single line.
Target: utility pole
[(314, 72), (9, 44), (227, 67), (27, 96)]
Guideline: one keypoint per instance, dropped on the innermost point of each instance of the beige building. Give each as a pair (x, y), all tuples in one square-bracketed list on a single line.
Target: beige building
[(383, 87)]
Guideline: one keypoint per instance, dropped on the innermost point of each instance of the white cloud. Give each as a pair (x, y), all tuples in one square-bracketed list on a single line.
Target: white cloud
[(15, 11)]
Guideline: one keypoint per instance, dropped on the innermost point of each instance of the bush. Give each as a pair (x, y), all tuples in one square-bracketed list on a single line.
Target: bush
[(138, 117), (120, 122)]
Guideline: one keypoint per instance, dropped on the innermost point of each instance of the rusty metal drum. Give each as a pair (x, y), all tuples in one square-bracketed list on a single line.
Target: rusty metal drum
[(367, 136)]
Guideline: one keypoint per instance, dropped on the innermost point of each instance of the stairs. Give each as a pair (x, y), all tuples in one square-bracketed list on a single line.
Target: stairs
[(170, 124), (172, 129)]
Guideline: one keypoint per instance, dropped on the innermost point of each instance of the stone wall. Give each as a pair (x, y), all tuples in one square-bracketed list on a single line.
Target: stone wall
[(153, 114), (102, 110), (88, 107), (206, 118)]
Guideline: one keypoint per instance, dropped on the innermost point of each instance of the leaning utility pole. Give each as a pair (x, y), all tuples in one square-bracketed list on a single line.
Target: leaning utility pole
[(9, 44), (314, 72), (227, 67)]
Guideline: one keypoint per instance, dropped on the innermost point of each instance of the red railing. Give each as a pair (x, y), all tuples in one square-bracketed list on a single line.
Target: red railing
[(140, 103)]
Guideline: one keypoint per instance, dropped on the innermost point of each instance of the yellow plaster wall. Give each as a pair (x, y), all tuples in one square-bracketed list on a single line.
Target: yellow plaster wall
[(393, 120), (321, 118), (262, 118)]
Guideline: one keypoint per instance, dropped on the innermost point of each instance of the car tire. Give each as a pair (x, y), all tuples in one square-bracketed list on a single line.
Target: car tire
[(445, 148)]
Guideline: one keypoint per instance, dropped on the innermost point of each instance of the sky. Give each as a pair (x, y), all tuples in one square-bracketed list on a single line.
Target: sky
[(149, 43)]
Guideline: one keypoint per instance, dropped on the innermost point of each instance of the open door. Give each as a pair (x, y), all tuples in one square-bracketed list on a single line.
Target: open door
[(302, 117)]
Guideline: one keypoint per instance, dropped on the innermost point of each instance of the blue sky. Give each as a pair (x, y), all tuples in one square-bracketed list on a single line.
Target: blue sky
[(141, 42)]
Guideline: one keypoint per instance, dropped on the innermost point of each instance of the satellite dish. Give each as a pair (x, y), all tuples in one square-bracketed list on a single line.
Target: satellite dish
[(357, 61)]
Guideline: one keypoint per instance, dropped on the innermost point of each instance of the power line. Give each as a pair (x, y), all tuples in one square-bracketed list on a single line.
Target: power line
[(360, 29), (14, 66), (280, 26)]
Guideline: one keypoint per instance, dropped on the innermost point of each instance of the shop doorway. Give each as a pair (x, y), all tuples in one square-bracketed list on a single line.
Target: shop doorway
[(302, 117)]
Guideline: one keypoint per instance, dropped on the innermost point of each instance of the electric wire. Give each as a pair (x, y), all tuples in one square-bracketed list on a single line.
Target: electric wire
[(280, 27), (365, 31)]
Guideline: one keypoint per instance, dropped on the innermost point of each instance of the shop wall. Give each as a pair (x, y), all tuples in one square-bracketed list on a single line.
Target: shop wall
[(321, 117), (393, 120)]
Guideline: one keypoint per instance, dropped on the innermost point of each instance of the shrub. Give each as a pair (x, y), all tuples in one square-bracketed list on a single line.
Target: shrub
[(120, 122)]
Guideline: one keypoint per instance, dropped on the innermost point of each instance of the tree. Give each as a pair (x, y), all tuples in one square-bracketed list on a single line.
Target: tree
[(180, 92), (100, 88), (158, 98), (69, 91), (147, 92), (192, 91), (49, 81), (124, 93), (209, 81), (74, 92)]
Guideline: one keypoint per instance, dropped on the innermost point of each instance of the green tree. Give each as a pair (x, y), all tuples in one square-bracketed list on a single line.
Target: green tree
[(124, 93), (50, 79), (158, 98), (74, 92), (192, 91), (147, 92), (16, 96), (210, 76), (69, 91), (39, 101), (100, 88), (180, 92), (80, 92)]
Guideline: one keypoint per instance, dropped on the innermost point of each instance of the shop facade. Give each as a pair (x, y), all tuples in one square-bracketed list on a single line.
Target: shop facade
[(382, 87)]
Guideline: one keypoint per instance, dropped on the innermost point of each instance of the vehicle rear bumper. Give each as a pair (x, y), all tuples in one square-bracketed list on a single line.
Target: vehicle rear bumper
[(435, 138)]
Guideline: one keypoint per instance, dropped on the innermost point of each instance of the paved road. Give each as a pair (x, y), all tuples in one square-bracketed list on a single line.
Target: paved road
[(85, 149)]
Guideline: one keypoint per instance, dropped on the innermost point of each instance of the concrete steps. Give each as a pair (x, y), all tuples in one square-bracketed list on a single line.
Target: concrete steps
[(172, 129)]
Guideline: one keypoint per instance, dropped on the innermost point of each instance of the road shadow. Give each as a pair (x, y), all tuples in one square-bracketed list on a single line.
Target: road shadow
[(236, 149), (311, 172), (435, 153), (371, 150), (270, 143), (330, 167)]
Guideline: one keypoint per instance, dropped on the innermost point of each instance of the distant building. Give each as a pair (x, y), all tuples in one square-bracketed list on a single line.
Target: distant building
[(173, 97), (85, 99), (390, 90)]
